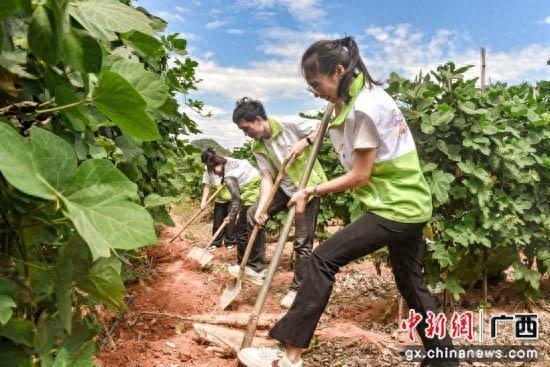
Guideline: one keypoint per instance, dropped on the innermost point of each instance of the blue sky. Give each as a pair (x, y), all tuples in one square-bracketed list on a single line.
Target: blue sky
[(252, 48)]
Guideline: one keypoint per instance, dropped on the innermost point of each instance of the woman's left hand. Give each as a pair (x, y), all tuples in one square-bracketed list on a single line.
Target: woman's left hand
[(296, 149), (299, 199)]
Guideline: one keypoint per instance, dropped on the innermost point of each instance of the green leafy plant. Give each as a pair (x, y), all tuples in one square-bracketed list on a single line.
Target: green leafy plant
[(485, 156), (89, 159)]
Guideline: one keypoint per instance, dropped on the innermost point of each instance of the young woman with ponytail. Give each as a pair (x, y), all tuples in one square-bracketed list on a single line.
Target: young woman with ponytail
[(243, 183), (222, 205), (377, 150)]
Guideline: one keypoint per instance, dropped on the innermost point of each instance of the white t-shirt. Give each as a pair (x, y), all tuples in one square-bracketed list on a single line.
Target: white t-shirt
[(278, 146), (213, 180), (241, 170), (374, 121)]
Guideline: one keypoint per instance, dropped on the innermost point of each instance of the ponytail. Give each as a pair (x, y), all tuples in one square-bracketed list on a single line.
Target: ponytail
[(211, 159), (323, 57)]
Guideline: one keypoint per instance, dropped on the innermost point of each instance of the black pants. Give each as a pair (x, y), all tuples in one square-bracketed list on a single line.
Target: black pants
[(362, 237), (303, 238), (256, 260), (221, 210)]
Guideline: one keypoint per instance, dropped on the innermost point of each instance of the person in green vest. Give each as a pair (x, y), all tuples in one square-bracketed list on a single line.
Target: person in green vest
[(376, 148), (274, 141), (222, 204), (243, 183)]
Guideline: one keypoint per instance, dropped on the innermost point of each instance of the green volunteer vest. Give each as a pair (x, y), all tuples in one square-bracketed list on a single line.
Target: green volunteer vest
[(397, 189), (250, 192), (295, 170)]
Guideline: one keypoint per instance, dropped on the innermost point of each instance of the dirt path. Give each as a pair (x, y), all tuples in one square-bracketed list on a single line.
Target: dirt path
[(359, 327)]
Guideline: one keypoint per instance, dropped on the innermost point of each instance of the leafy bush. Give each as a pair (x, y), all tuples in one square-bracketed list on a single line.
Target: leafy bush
[(485, 157), (88, 152)]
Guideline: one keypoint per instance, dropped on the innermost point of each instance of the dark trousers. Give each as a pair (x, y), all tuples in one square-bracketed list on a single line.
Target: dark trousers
[(221, 210), (362, 237), (304, 234), (256, 260)]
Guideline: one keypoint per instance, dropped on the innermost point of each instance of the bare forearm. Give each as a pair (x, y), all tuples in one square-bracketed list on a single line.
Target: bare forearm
[(266, 186), (345, 182), (358, 176), (205, 192)]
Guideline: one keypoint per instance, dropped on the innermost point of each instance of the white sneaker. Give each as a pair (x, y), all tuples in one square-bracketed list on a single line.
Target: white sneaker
[(265, 357), (249, 274), (233, 270), (288, 299)]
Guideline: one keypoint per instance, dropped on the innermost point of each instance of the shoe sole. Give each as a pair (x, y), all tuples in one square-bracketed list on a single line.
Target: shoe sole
[(249, 361)]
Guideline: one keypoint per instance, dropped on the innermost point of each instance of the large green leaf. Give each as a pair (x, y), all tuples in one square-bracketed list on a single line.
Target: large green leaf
[(440, 185), (64, 287), (43, 38), (7, 287), (19, 330), (16, 163), (153, 90), (8, 7), (154, 200), (53, 158), (99, 203), (470, 168), (82, 51), (121, 102), (6, 308), (179, 45), (161, 215), (13, 356), (76, 118), (441, 117), (105, 283), (530, 278), (99, 199), (95, 30), (78, 348), (144, 45), (82, 358), (111, 15), (470, 108), (47, 333), (13, 62)]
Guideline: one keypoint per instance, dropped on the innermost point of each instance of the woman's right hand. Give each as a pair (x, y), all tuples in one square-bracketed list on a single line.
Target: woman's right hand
[(203, 206)]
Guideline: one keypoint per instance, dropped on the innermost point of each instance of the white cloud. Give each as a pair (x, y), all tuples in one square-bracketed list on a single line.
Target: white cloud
[(170, 17), (208, 54), (214, 110), (189, 36), (290, 44), (305, 11), (180, 9), (547, 20), (391, 48), (400, 48), (219, 127), (215, 24), (234, 31), (262, 80), (286, 118)]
